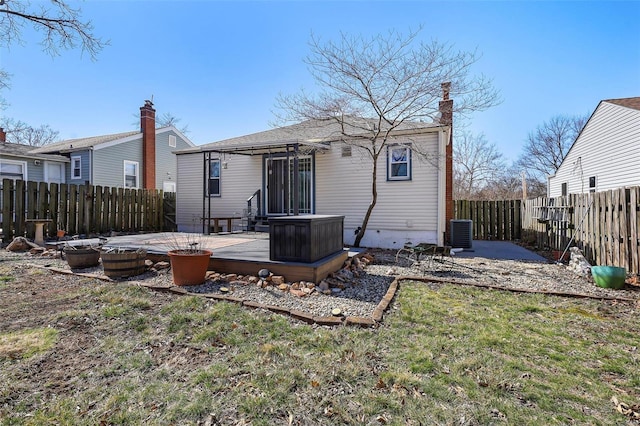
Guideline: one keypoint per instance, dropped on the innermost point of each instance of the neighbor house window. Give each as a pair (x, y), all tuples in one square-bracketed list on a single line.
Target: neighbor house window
[(214, 177), (592, 184), (399, 163), (172, 141), (346, 150), (76, 168), (13, 170), (564, 189), (131, 174)]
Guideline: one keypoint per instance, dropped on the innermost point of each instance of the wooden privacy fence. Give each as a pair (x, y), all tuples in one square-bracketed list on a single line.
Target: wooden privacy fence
[(78, 209), (604, 225), (492, 220)]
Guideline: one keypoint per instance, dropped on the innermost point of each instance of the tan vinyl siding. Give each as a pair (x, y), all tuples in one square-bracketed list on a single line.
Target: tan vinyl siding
[(607, 148), (238, 181), (343, 186)]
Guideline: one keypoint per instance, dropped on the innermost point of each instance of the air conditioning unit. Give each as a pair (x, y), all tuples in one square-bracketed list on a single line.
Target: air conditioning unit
[(461, 233)]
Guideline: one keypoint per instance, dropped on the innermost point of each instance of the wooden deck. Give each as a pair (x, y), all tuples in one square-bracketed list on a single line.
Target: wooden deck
[(243, 254)]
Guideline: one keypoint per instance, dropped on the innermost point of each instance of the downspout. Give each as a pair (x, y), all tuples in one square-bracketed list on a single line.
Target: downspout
[(442, 152)]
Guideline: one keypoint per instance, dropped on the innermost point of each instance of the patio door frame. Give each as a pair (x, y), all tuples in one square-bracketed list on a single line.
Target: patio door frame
[(281, 175)]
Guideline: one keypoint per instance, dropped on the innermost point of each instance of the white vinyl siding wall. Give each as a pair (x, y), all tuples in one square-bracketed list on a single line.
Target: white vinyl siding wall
[(238, 181), (407, 210), (607, 148)]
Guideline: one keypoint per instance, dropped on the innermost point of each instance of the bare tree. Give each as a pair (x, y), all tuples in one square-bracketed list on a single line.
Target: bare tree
[(62, 28), (372, 86), (477, 164), (510, 184), (22, 133), (546, 147), (165, 120), (61, 25), (168, 119)]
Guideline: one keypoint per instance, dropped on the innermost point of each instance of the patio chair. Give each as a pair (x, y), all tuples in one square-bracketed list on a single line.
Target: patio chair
[(427, 257)]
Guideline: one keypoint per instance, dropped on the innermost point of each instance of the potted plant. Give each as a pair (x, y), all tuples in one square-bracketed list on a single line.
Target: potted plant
[(189, 264)]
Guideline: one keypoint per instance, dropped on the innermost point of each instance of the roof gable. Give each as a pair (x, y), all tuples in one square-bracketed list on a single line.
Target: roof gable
[(103, 141), (633, 103)]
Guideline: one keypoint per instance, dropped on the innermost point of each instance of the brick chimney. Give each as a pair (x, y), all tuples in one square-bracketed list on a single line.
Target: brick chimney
[(148, 129), (3, 135), (446, 118)]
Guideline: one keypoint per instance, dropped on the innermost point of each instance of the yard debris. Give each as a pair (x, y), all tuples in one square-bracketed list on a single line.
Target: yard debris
[(159, 266), (21, 244), (632, 411)]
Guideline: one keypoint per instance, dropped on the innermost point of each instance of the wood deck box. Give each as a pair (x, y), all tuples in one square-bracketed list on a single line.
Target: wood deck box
[(305, 238)]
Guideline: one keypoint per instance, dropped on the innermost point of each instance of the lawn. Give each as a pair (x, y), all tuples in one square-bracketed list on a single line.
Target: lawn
[(95, 353)]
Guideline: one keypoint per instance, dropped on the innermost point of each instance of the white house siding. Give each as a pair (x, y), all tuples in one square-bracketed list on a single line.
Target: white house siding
[(108, 163), (406, 211), (607, 148), (238, 181)]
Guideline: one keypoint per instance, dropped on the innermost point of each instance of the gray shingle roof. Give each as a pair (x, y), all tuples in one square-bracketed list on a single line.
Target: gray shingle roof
[(310, 132), (19, 150), (74, 144)]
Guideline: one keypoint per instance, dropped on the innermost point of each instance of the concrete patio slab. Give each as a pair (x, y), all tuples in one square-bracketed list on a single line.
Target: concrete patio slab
[(501, 250)]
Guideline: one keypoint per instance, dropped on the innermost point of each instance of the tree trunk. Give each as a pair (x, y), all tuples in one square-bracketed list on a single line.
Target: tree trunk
[(374, 200)]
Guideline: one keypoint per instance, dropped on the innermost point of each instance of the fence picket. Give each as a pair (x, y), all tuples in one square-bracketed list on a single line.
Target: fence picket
[(83, 209), (605, 225)]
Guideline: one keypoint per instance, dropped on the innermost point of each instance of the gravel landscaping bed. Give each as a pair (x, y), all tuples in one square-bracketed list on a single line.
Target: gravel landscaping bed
[(364, 290)]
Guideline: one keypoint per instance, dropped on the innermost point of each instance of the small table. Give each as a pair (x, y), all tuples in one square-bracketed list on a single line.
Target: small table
[(216, 224), (39, 238)]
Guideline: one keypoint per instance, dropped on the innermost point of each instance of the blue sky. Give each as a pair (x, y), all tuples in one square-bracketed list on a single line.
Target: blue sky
[(219, 66)]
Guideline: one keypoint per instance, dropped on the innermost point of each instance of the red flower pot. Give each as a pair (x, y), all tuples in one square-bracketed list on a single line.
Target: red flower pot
[(189, 267)]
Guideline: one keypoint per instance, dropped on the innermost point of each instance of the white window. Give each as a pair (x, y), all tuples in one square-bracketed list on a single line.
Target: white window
[(76, 168), (214, 178), (172, 141), (592, 184), (169, 186), (53, 172), (131, 174), (399, 163), (13, 170)]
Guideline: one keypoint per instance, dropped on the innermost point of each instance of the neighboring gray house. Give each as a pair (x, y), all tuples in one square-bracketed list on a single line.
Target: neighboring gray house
[(606, 153), (17, 161), (135, 159)]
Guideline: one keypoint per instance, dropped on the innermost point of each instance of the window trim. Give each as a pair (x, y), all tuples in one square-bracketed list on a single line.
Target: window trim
[(564, 189), (172, 141), (218, 178), (20, 163), (593, 188), (390, 162), (72, 174), (47, 167), (137, 175)]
